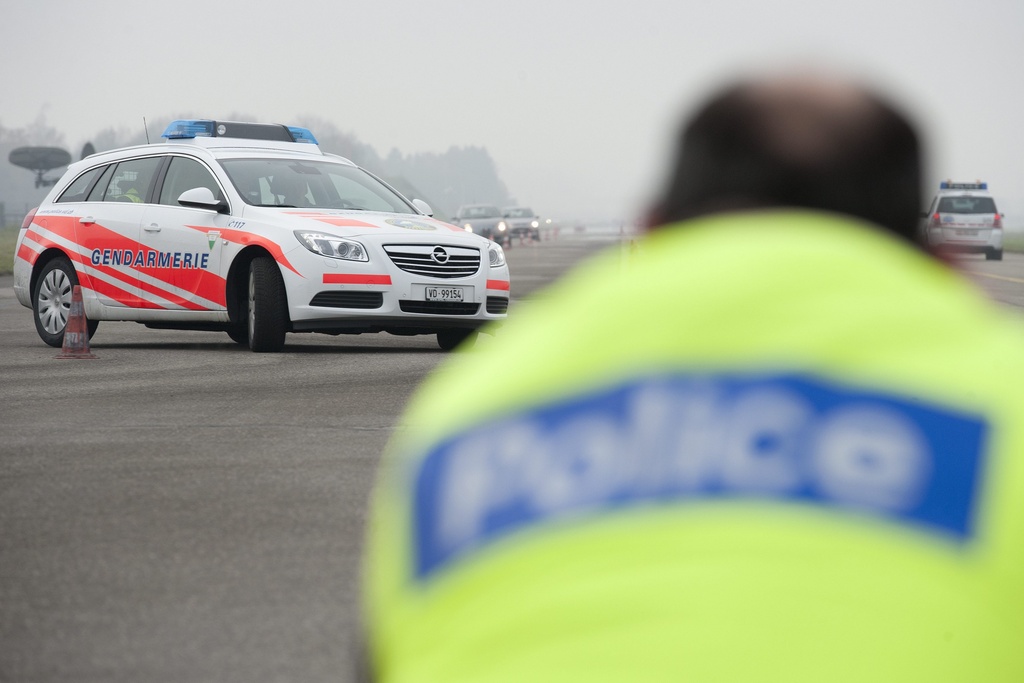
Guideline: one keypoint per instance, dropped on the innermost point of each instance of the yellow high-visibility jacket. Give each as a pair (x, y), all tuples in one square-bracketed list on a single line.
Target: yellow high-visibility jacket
[(769, 446)]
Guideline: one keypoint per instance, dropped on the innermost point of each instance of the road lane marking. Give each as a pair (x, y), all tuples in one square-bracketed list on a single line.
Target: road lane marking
[(998, 277)]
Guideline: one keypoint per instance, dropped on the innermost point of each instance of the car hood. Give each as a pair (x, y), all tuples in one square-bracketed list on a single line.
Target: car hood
[(384, 226)]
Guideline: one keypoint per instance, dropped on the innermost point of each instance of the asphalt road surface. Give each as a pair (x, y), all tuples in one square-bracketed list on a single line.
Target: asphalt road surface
[(184, 510)]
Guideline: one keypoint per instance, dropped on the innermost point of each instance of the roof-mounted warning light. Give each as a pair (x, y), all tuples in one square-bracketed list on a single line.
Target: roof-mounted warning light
[(184, 129), (302, 134), (950, 185)]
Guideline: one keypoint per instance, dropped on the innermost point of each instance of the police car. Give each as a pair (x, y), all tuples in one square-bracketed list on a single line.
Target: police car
[(482, 219), (252, 230), (963, 217), (522, 222)]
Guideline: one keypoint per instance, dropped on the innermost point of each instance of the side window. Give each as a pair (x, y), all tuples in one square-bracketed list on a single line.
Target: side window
[(78, 189), (131, 180), (186, 174), (100, 188)]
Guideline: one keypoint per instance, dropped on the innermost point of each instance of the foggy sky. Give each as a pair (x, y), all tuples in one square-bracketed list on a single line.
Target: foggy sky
[(576, 101)]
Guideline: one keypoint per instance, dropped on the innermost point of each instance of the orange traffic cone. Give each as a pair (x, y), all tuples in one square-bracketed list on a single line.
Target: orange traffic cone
[(76, 332)]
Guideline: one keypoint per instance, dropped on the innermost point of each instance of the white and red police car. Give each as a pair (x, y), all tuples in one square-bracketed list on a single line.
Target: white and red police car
[(963, 218), (250, 229)]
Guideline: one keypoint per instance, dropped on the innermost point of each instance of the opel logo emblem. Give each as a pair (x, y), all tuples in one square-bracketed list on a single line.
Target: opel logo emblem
[(439, 255)]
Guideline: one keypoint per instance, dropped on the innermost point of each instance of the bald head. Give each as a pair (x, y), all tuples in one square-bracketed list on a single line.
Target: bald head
[(797, 142)]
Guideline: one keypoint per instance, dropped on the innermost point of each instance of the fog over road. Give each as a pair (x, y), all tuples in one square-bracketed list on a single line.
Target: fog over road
[(184, 510)]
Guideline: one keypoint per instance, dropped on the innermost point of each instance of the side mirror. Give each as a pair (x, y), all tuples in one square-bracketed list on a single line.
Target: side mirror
[(423, 207), (202, 198)]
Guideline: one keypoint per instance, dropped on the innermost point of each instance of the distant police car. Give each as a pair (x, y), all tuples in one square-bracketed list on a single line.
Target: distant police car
[(482, 219), (252, 230), (963, 217), (522, 222)]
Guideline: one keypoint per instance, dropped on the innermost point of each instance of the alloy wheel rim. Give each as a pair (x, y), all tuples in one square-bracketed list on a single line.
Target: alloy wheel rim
[(53, 303), (252, 304)]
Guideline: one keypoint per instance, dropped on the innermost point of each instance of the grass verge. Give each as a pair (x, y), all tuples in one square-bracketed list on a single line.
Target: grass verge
[(8, 236)]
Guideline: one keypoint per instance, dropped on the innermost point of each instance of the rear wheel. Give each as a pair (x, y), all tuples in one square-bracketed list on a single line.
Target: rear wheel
[(268, 306), (450, 339), (994, 255), (51, 301)]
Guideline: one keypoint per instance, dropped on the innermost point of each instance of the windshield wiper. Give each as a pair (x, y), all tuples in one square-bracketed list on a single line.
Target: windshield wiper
[(282, 206)]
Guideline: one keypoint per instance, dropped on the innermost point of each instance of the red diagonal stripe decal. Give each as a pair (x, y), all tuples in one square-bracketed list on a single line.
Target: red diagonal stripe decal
[(26, 254), (355, 279), (247, 238), (199, 281), (339, 221)]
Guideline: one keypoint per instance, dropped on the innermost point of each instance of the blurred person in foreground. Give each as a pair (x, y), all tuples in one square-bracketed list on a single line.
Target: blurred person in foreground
[(784, 443)]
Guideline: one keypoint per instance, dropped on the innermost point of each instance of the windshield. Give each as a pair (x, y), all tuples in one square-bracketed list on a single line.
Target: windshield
[(966, 205), (520, 213), (302, 183), (480, 212)]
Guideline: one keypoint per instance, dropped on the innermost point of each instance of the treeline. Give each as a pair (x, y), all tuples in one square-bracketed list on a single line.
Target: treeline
[(460, 175)]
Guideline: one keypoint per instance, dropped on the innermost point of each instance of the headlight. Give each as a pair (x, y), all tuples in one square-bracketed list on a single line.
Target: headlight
[(332, 246), (468, 227), (501, 226), (534, 224), (496, 255)]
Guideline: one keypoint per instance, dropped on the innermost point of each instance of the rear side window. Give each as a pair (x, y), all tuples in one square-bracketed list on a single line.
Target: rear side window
[(131, 180), (100, 189), (78, 189), (966, 205), (186, 174)]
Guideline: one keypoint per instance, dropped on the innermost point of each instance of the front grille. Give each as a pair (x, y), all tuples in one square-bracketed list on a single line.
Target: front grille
[(497, 304), (439, 307), (348, 300), (435, 260)]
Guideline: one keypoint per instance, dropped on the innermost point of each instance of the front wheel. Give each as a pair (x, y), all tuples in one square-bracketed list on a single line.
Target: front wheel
[(449, 339), (239, 333), (268, 306), (51, 301)]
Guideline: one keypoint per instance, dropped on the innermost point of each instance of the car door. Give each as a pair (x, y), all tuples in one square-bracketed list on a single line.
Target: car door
[(109, 230), (187, 271)]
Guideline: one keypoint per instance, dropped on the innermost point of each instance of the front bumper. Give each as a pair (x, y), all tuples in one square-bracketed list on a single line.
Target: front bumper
[(351, 297)]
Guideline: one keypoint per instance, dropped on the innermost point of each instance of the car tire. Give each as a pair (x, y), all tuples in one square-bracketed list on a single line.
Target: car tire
[(449, 340), (267, 306), (51, 301), (994, 255), (239, 334)]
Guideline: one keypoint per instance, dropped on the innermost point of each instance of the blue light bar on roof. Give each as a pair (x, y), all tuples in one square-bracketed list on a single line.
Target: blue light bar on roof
[(191, 128), (302, 134), (949, 185)]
